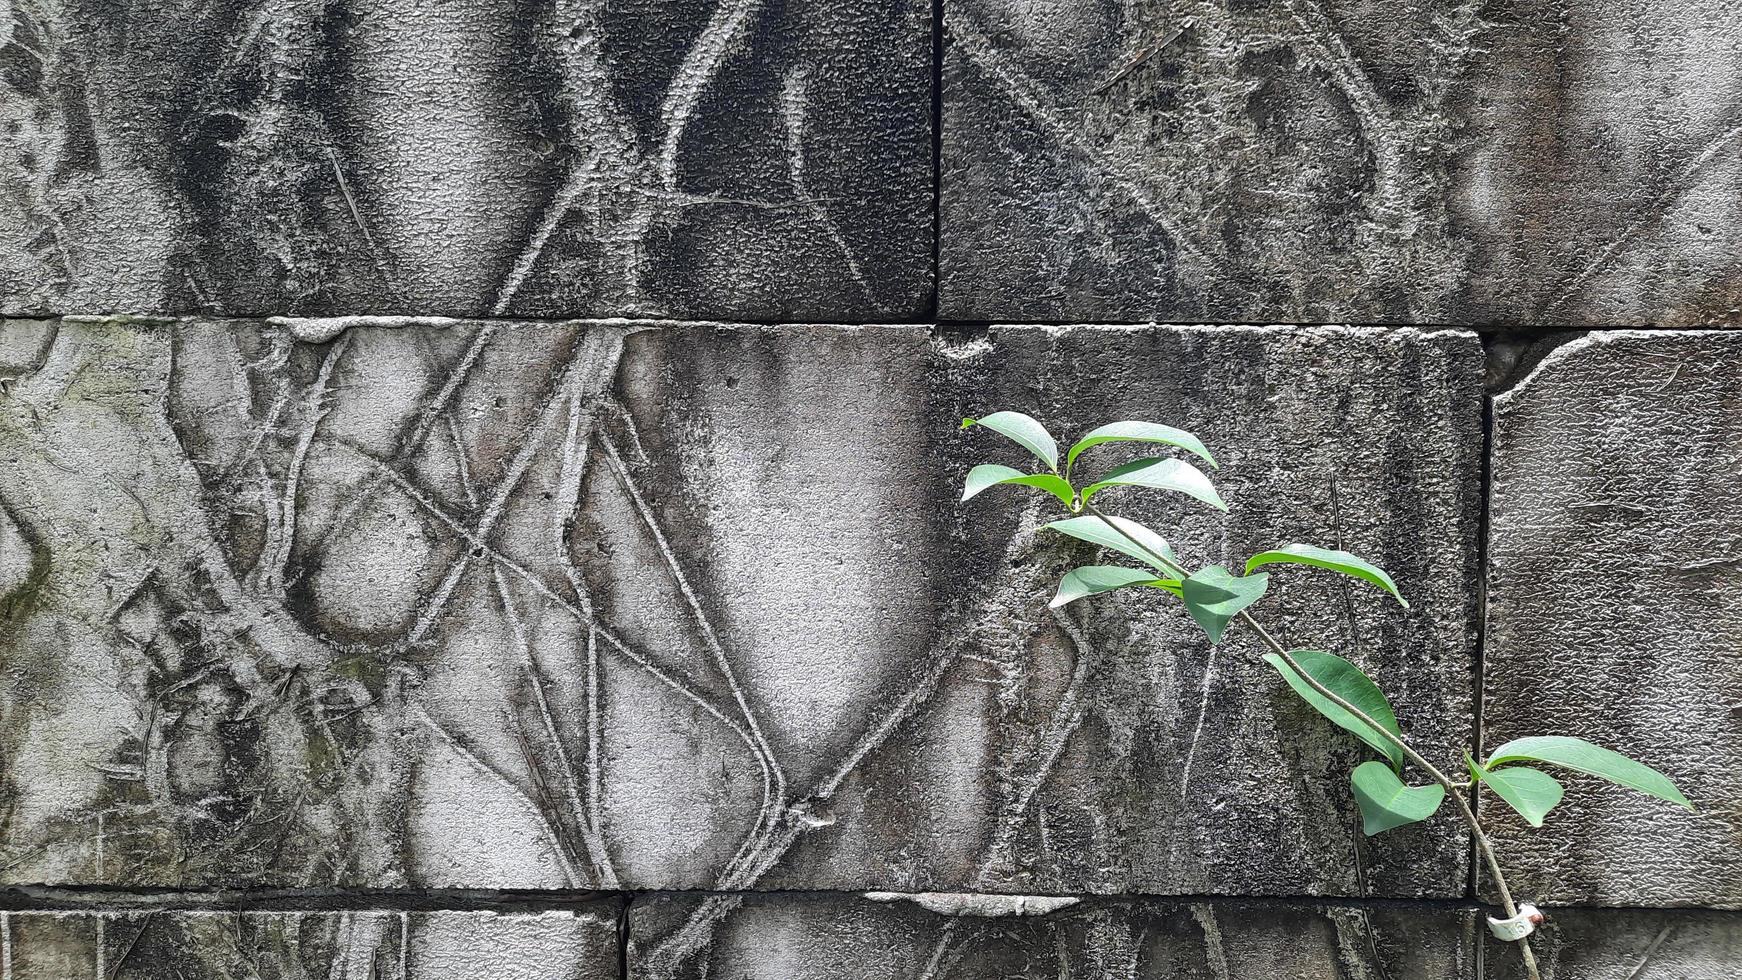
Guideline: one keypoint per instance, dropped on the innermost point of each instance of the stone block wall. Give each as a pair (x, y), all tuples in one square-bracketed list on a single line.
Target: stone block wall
[(478, 483)]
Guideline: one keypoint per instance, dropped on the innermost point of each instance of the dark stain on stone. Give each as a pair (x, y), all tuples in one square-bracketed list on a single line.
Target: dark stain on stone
[(20, 70), (79, 139)]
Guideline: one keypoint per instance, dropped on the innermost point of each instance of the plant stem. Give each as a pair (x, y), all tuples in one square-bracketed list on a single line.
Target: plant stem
[(1453, 790)]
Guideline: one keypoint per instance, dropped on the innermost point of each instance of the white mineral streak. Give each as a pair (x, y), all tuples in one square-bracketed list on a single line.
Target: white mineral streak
[(974, 905), (1552, 360), (321, 329)]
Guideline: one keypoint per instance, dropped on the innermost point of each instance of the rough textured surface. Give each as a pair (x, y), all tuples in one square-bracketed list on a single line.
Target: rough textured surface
[(1616, 558), (1571, 161), (824, 937), (561, 605), (1629, 944), (732, 159), (375, 945), (448, 566)]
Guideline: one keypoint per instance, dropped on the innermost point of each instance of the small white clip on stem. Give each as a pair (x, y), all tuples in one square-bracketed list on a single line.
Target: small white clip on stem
[(1519, 926)]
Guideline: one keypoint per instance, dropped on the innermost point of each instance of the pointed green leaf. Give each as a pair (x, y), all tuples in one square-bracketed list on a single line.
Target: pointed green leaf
[(988, 475), (1386, 802), (1336, 561), (1161, 474), (1095, 531), (1091, 580), (1350, 684), (1581, 756), (1533, 794), (1025, 432), (1141, 432), (1476, 770), (1214, 595)]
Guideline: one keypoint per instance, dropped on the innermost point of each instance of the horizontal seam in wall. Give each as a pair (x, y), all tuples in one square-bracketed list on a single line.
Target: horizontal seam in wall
[(98, 899), (940, 323)]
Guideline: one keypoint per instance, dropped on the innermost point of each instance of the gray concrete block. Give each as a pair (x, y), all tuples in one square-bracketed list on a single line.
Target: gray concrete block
[(1599, 944), (693, 606), (794, 936), (1616, 543), (364, 945), (644, 158), (1330, 160)]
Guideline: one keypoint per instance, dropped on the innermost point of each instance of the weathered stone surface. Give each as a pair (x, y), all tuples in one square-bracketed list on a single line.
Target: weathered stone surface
[(794, 936), (375, 945), (629, 605), (738, 158), (1573, 161), (1616, 550), (1628, 944)]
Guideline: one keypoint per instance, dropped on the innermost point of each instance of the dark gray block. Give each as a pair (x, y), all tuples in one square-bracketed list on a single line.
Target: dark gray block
[(1571, 161), (738, 159), (1628, 944), (1617, 555), (629, 605), (367, 945), (794, 936)]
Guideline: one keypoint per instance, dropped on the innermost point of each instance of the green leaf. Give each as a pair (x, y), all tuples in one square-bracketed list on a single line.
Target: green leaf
[(1386, 802), (1161, 474), (1214, 595), (1533, 794), (1350, 684), (1025, 432), (988, 475), (1336, 561), (1141, 432), (1091, 580), (1095, 531), (1581, 756)]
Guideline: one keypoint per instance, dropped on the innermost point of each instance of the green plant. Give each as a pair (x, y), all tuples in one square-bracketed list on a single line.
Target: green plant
[(1215, 597)]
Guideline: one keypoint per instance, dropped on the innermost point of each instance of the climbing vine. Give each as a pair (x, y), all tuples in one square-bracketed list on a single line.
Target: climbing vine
[(1216, 597)]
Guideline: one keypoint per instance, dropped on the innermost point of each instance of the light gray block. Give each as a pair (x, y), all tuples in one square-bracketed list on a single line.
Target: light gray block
[(365, 945), (794, 936), (1557, 162), (1616, 543), (696, 159), (693, 606)]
